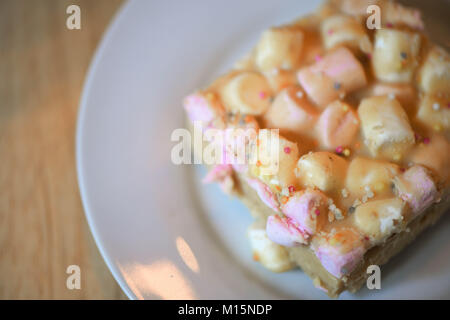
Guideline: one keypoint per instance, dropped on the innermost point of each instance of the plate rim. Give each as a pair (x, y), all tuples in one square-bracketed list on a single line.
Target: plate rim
[(99, 52)]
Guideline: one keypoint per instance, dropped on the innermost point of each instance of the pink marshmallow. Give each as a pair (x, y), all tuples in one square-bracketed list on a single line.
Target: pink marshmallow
[(200, 109), (235, 145), (308, 209), (223, 174), (340, 252), (264, 193), (218, 173), (342, 66), (337, 126), (417, 188), (291, 111), (338, 72), (284, 232), (318, 86), (339, 264)]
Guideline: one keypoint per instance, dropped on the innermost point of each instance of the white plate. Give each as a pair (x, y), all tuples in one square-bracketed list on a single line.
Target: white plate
[(161, 233)]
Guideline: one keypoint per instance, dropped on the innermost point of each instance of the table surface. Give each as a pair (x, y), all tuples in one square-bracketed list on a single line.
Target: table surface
[(43, 229)]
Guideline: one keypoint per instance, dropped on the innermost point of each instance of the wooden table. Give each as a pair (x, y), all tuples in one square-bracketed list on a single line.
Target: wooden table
[(42, 224)]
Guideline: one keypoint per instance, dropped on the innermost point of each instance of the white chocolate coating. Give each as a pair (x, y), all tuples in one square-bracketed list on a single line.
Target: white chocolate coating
[(364, 125)]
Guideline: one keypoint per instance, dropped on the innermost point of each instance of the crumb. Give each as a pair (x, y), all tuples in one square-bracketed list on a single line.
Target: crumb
[(369, 193), (344, 193), (338, 214), (356, 203), (330, 216)]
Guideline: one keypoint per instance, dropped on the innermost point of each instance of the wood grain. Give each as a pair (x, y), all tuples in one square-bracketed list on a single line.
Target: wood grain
[(42, 225)]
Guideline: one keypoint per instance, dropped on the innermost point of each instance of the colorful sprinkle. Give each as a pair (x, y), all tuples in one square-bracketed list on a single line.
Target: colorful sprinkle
[(346, 152), (448, 105), (389, 25), (291, 189), (339, 149), (258, 163), (426, 140), (436, 106), (247, 119), (369, 55), (403, 55), (318, 57), (330, 32), (287, 150), (262, 95), (317, 212), (337, 85), (284, 200)]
